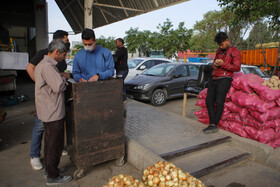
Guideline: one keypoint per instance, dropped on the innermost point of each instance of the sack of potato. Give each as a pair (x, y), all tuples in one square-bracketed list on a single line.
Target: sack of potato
[(273, 83), (123, 180), (166, 174)]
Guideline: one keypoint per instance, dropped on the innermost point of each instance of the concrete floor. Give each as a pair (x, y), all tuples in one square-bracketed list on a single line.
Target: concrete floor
[(16, 170), (15, 132)]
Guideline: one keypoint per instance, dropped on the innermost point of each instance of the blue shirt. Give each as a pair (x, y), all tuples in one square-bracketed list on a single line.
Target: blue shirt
[(86, 64)]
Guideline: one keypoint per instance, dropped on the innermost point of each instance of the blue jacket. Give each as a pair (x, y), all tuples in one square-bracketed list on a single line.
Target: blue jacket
[(86, 64)]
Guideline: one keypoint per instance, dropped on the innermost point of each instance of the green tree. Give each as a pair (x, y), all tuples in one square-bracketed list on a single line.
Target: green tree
[(212, 23), (138, 41), (108, 43), (172, 40), (260, 33), (253, 10)]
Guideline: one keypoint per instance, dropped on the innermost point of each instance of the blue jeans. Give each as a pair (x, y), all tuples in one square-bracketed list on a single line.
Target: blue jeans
[(36, 138), (124, 74)]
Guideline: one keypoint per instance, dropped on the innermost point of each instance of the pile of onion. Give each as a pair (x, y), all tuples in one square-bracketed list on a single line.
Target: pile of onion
[(124, 181), (166, 174)]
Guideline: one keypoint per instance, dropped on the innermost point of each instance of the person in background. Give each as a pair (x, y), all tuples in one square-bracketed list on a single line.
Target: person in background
[(50, 105), (93, 62), (38, 129), (120, 58), (227, 61)]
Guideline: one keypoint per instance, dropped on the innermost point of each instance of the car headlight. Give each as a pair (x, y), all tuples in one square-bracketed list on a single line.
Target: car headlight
[(142, 87)]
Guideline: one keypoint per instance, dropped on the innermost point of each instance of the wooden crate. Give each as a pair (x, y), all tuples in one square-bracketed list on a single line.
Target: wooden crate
[(95, 122)]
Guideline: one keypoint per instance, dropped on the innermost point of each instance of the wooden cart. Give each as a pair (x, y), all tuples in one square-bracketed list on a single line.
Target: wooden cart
[(95, 123)]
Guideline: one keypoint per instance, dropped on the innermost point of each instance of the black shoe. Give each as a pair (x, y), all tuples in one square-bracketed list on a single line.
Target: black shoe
[(212, 128), (61, 170), (58, 180)]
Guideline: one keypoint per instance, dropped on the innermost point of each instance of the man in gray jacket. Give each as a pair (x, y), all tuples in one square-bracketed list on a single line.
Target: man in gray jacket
[(49, 101)]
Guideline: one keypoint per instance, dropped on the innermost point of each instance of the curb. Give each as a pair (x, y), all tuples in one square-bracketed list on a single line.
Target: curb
[(261, 152), (139, 156)]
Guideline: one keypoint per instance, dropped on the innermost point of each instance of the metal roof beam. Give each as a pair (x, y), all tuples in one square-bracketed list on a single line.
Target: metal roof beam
[(118, 7), (75, 18), (104, 16), (125, 12), (109, 13)]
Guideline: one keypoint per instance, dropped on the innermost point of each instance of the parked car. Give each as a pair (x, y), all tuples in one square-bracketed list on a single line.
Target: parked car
[(139, 65), (197, 85), (246, 69), (161, 82)]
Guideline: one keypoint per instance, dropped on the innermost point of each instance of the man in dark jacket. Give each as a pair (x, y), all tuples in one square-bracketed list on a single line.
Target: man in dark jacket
[(120, 59), (227, 61)]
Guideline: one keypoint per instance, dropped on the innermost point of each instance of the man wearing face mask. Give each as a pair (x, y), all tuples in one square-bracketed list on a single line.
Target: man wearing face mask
[(93, 62), (38, 129)]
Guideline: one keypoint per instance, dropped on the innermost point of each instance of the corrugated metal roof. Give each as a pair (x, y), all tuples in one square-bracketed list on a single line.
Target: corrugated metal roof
[(109, 11)]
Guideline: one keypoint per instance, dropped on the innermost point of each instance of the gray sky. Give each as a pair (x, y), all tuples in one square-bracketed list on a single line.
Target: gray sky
[(188, 12)]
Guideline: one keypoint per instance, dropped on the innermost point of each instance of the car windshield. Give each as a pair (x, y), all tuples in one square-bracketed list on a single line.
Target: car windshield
[(254, 70), (160, 70), (133, 63)]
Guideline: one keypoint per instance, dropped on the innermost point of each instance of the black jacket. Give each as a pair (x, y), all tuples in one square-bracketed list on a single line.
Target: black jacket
[(120, 58)]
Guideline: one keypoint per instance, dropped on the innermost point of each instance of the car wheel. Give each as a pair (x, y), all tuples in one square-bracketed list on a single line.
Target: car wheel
[(158, 98)]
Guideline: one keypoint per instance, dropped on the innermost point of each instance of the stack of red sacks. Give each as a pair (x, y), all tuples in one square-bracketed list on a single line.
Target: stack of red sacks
[(251, 110)]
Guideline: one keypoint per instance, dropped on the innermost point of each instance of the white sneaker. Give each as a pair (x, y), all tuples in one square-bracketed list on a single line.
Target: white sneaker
[(64, 152), (36, 163)]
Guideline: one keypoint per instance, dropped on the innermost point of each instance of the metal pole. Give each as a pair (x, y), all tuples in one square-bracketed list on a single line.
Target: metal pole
[(88, 14)]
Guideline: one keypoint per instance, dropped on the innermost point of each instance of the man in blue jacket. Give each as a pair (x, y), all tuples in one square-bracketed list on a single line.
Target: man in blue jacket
[(93, 62)]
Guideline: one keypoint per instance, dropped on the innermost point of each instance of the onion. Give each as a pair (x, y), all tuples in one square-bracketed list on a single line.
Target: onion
[(124, 181), (182, 176), (150, 177), (150, 182), (165, 173), (156, 180), (168, 177)]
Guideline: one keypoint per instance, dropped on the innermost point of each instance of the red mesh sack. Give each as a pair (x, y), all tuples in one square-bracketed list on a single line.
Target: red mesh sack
[(274, 143), (271, 104), (250, 101), (236, 128), (202, 94), (243, 112), (204, 120), (266, 93), (277, 101), (232, 117), (202, 113), (263, 136), (230, 92), (245, 81), (201, 103), (252, 122), (261, 117)]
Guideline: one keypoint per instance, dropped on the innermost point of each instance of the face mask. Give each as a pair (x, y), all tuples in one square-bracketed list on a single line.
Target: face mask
[(89, 48)]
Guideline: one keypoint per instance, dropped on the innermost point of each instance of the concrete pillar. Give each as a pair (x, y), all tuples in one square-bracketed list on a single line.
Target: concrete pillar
[(88, 14), (41, 24)]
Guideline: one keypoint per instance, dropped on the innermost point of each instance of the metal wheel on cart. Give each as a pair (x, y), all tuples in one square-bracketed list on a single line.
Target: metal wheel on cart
[(79, 173), (120, 161)]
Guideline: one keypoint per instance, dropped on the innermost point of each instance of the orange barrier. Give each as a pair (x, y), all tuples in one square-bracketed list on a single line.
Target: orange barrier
[(255, 57)]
